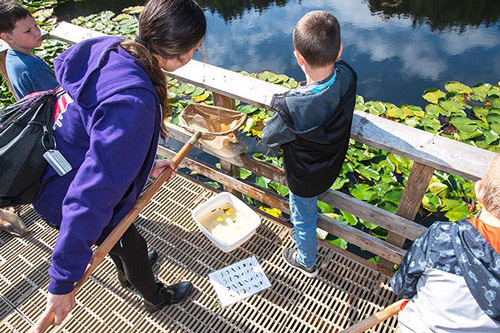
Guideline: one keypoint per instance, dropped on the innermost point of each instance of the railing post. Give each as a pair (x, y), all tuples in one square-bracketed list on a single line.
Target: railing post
[(417, 184), (233, 170)]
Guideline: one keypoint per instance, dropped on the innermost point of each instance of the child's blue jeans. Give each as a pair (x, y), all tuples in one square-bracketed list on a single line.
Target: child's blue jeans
[(304, 217)]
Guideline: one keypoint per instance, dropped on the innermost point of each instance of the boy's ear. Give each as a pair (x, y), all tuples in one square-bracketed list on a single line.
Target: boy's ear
[(340, 50), (479, 191), (299, 57), (7, 37)]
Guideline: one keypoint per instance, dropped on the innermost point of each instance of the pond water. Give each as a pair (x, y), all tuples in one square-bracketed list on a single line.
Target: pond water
[(399, 48)]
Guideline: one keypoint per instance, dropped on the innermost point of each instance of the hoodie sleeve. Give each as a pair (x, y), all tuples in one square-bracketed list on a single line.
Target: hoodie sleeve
[(276, 132), (120, 131), (411, 268)]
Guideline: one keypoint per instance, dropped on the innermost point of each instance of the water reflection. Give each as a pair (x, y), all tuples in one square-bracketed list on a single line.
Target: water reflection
[(399, 48), (396, 58), (441, 14)]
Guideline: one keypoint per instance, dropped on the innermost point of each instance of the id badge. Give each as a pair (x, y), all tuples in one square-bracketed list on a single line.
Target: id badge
[(57, 161)]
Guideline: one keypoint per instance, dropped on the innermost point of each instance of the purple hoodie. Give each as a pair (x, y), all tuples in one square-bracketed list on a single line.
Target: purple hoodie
[(108, 128)]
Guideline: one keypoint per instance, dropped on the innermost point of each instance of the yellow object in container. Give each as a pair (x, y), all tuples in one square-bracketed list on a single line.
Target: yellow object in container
[(226, 221)]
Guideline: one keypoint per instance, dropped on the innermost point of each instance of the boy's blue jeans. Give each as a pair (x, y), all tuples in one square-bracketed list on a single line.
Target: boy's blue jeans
[(304, 217)]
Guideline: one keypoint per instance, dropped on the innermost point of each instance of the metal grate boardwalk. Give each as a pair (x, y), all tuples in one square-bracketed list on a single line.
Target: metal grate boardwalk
[(344, 292)]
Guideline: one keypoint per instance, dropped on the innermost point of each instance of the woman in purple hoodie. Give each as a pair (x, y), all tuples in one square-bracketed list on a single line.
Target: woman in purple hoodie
[(107, 127)]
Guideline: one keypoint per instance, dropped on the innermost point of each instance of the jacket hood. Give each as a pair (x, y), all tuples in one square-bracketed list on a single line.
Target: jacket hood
[(481, 266), (81, 72)]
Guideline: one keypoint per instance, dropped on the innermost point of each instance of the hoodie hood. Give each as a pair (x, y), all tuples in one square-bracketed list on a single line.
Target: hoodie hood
[(480, 264), (81, 72)]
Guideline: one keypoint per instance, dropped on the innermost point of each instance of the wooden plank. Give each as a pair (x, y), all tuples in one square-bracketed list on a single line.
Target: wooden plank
[(418, 145), (340, 229), (73, 34), (228, 103), (392, 222), (415, 189), (363, 240)]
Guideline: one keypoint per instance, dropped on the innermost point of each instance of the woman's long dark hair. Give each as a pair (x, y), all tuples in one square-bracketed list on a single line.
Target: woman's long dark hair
[(169, 29)]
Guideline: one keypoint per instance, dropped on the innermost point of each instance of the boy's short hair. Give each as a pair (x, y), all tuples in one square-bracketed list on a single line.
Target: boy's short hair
[(317, 38), (491, 187), (10, 13)]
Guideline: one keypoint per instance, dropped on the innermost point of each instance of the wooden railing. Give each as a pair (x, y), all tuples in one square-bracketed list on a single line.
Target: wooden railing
[(428, 151)]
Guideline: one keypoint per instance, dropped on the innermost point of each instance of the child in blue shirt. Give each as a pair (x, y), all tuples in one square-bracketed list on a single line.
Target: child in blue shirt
[(27, 73), (312, 124)]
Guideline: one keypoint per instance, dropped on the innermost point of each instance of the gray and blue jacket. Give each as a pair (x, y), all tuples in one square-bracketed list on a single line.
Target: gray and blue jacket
[(452, 276), (312, 124)]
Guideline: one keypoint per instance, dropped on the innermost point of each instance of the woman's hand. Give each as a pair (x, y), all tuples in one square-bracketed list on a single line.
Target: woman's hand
[(160, 165), (58, 306)]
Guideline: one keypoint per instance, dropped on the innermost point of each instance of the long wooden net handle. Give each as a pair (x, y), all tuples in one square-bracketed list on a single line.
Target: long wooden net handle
[(377, 318), (125, 223)]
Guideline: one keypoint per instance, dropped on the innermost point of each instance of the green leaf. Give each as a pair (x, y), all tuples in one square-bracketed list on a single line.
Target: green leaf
[(412, 110), (248, 109), (368, 225), (363, 192), (480, 90), (396, 113), (213, 184), (495, 101), (432, 95), (262, 181), (429, 125), (367, 172), (490, 137), (458, 213), (464, 124), (324, 208), (339, 183), (451, 106), (438, 188), (450, 204), (280, 189), (388, 206), (244, 173), (349, 218), (338, 242), (434, 110), (431, 202), (394, 195), (375, 107), (374, 260), (457, 87)]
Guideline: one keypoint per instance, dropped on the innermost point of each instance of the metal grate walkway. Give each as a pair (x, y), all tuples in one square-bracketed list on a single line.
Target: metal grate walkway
[(343, 293)]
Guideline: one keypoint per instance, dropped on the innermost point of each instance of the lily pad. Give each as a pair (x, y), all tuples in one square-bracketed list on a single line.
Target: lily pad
[(432, 95), (457, 87), (464, 124)]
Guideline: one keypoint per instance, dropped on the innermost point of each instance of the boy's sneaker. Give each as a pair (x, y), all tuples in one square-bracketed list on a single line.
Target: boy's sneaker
[(152, 259), (291, 234), (172, 294), (290, 256)]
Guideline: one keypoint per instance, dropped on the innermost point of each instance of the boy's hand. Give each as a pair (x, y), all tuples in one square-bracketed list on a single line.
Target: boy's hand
[(160, 165)]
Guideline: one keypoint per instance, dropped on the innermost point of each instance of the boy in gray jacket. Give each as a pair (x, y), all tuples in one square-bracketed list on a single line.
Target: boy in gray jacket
[(312, 124)]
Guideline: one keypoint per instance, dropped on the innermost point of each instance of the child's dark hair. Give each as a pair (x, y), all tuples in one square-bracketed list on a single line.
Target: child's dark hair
[(317, 38), (169, 29), (10, 13)]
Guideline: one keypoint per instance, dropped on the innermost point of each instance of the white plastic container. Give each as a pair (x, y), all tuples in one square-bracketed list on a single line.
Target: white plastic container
[(251, 221)]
